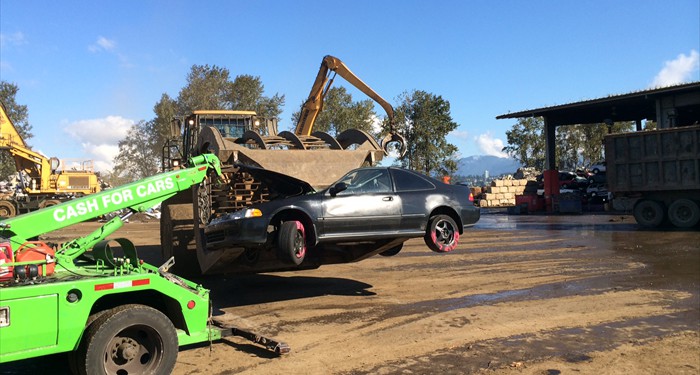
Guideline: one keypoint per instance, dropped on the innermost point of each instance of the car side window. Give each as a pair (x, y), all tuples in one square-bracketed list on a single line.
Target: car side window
[(407, 181), (367, 181)]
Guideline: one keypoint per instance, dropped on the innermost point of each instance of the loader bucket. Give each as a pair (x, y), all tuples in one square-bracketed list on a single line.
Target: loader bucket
[(319, 167)]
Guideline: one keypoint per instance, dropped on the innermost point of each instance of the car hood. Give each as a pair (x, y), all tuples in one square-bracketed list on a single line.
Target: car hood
[(280, 185)]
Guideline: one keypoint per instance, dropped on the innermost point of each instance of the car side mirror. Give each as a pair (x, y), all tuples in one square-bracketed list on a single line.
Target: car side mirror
[(340, 186)]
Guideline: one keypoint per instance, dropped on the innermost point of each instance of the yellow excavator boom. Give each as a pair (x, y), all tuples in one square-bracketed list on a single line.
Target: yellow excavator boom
[(8, 132), (314, 104), (43, 172)]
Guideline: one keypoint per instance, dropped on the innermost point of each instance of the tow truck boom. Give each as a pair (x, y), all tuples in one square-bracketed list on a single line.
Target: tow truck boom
[(138, 196)]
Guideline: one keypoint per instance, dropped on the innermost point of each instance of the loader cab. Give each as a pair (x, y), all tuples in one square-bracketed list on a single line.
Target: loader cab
[(184, 131)]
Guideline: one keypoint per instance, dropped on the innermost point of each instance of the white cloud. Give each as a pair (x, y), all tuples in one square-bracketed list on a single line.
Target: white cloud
[(102, 44), (99, 138), (459, 134), (16, 38), (489, 145), (110, 46), (678, 71), (376, 124)]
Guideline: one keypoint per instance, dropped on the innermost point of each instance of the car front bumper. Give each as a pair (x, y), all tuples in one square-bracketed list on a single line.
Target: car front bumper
[(250, 232)]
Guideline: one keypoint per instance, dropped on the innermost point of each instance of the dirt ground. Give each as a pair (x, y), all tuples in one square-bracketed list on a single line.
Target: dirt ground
[(531, 294)]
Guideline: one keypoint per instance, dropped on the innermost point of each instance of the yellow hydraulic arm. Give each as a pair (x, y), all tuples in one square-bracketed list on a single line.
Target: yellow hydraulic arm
[(26, 160), (43, 175), (324, 79), (314, 104)]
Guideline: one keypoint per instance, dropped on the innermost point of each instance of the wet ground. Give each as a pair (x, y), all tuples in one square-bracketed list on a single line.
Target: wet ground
[(529, 294)]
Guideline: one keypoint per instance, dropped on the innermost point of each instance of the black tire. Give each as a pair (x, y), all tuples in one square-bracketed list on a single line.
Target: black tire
[(596, 171), (129, 339), (49, 203), (649, 213), (684, 213), (7, 209), (393, 251), (442, 234), (291, 242), (74, 357)]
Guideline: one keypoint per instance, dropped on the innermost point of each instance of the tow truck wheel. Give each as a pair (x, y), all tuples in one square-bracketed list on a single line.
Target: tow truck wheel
[(291, 242), (442, 234), (129, 339)]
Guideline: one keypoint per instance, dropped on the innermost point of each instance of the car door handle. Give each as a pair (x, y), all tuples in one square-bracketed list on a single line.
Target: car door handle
[(388, 199)]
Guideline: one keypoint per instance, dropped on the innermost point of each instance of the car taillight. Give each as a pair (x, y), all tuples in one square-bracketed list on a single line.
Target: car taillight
[(471, 197)]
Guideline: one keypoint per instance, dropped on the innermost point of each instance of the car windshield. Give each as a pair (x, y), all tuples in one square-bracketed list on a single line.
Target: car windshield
[(366, 180)]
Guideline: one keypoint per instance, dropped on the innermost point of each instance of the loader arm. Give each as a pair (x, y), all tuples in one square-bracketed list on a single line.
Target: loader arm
[(324, 79)]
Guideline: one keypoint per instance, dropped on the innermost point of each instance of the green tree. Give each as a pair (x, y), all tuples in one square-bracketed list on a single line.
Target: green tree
[(138, 153), (19, 115), (525, 142), (208, 87), (166, 109), (340, 113), (424, 120), (576, 145), (246, 94), (569, 143)]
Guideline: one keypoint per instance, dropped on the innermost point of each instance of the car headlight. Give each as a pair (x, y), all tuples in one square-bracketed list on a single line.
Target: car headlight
[(252, 212), (241, 214)]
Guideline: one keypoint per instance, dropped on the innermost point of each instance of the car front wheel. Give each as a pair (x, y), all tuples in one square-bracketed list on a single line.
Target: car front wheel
[(442, 234), (291, 242)]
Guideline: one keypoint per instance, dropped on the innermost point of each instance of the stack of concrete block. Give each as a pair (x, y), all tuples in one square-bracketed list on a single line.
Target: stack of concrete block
[(502, 192)]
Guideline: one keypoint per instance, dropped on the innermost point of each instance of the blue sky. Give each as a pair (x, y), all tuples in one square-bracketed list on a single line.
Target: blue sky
[(87, 70)]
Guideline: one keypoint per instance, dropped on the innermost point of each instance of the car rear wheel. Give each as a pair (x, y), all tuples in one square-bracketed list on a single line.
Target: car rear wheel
[(393, 251), (291, 242), (442, 234)]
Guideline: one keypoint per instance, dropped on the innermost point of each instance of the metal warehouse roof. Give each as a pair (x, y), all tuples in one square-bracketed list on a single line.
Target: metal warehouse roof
[(634, 106)]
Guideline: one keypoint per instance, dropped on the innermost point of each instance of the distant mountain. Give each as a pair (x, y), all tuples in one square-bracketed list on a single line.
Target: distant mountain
[(477, 164)]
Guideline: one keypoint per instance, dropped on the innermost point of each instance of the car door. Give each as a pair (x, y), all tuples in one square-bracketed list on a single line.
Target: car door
[(416, 194), (367, 208)]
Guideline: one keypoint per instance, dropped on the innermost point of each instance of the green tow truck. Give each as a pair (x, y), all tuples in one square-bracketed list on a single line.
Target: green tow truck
[(113, 314)]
